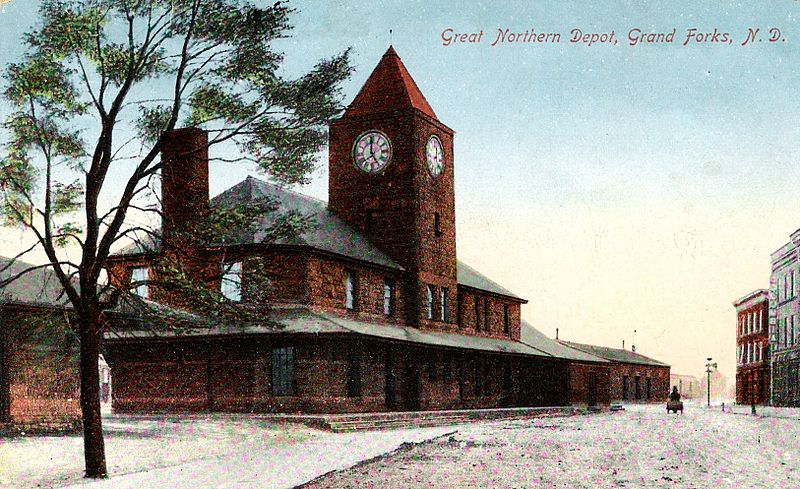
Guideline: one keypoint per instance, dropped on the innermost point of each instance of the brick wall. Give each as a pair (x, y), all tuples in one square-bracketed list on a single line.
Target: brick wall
[(396, 209), (236, 375), (468, 317), (327, 289), (589, 383), (659, 382), (39, 376)]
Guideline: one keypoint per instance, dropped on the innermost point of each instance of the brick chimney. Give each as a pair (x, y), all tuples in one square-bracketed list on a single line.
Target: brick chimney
[(184, 183)]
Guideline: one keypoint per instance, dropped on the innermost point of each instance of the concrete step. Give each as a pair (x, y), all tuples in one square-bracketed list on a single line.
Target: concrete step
[(406, 419), (435, 418), (366, 425)]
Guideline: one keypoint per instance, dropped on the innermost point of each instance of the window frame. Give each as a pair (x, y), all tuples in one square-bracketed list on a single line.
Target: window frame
[(231, 274), (477, 313), (388, 297), (444, 304), (487, 325), (142, 289), (430, 295), (350, 290)]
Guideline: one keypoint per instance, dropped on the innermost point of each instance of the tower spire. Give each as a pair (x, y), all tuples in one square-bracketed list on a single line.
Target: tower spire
[(389, 88)]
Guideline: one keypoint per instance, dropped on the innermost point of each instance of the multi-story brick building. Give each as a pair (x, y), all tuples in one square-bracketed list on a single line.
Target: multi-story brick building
[(367, 310), (752, 348), (784, 324), (632, 376)]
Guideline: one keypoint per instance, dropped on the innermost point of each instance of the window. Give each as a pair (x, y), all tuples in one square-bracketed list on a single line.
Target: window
[(637, 387), (388, 297), (437, 224), (283, 371), (785, 287), (506, 323), (350, 290), (785, 332), (443, 312), (353, 373), (486, 314), (430, 302), (477, 314), (648, 386), (624, 387), (139, 277), (231, 283)]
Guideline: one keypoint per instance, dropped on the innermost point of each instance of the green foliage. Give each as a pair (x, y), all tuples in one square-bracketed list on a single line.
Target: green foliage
[(98, 68), (145, 67)]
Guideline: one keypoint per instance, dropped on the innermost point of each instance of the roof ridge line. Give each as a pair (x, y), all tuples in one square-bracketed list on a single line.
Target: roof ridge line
[(284, 189)]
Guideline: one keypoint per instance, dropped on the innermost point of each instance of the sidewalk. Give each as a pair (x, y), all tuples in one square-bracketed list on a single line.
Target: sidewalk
[(275, 467)]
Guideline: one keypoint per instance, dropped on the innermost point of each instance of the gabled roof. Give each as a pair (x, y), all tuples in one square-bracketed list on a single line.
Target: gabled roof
[(536, 339), (470, 277), (37, 287), (614, 354), (326, 231), (389, 88)]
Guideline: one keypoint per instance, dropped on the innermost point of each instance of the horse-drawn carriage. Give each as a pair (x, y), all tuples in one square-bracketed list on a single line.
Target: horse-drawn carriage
[(675, 406)]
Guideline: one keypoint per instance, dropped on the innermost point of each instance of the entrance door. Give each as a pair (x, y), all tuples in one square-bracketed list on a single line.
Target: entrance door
[(390, 381), (411, 384), (591, 398)]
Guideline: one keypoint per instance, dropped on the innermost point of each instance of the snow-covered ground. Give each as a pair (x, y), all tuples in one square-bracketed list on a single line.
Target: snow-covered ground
[(640, 447), (197, 452)]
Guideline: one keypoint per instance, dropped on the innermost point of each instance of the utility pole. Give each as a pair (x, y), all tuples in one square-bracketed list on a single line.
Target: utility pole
[(709, 366)]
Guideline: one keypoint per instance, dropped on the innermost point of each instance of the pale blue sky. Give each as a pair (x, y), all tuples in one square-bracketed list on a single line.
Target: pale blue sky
[(618, 187)]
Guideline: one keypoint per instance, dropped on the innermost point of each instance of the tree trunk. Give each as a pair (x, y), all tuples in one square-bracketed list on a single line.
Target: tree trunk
[(94, 451)]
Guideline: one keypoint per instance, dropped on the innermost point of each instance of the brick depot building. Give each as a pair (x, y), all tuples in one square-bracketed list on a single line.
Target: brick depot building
[(752, 348), (368, 310), (632, 376), (39, 380)]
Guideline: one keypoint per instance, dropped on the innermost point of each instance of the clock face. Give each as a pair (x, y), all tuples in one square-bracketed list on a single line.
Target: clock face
[(434, 156), (372, 152)]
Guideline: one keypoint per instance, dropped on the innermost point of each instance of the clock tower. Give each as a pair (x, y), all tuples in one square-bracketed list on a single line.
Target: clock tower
[(391, 178)]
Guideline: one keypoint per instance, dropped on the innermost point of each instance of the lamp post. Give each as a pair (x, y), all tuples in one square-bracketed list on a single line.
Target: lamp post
[(709, 366)]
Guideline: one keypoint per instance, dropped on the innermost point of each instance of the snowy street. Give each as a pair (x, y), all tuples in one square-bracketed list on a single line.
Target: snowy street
[(640, 447)]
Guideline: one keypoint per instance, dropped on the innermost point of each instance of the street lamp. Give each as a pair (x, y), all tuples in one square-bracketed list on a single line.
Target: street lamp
[(709, 366)]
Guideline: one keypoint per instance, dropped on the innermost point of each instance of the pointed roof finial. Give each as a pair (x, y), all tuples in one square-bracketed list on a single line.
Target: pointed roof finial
[(389, 87)]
